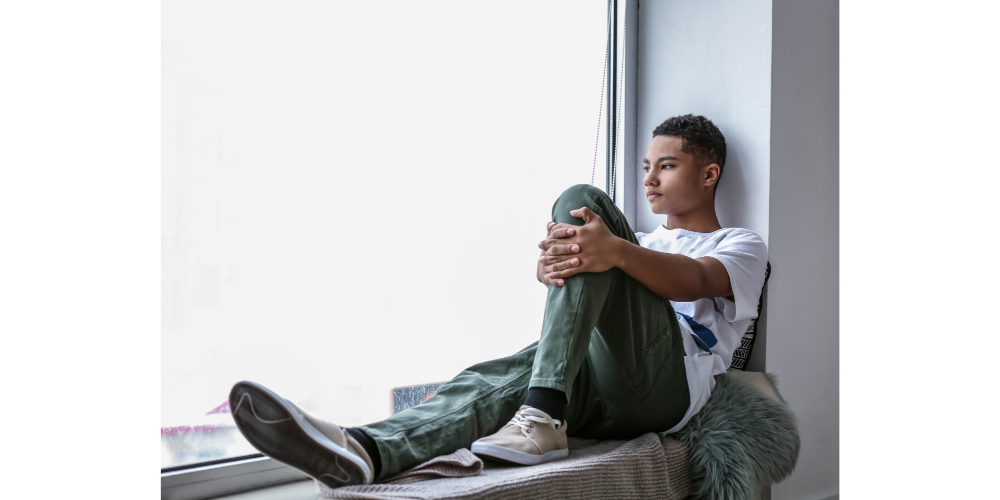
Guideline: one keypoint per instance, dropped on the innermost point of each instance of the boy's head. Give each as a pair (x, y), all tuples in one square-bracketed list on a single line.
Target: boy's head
[(683, 164)]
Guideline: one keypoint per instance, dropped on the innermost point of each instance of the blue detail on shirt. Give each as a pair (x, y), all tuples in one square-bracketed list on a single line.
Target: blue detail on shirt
[(702, 336)]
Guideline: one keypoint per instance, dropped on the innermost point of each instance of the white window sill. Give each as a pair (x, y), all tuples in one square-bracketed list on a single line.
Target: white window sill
[(219, 480), (299, 490)]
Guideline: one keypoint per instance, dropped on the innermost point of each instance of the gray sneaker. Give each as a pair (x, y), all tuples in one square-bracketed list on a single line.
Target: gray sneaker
[(286, 433)]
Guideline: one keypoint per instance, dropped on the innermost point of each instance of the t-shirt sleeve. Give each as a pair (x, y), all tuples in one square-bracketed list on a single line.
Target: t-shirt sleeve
[(745, 257)]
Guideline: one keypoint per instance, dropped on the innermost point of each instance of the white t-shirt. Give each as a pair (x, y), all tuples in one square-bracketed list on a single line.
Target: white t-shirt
[(713, 326)]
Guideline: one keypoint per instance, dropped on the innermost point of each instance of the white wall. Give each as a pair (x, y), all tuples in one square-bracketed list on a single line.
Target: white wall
[(803, 327), (710, 58)]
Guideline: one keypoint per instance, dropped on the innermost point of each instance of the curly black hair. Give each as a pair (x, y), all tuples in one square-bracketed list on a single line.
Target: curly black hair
[(699, 137)]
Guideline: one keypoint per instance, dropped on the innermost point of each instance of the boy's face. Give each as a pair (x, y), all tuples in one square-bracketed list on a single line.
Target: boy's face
[(674, 185)]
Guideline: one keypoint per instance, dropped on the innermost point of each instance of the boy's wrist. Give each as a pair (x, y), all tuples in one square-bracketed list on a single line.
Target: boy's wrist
[(622, 246)]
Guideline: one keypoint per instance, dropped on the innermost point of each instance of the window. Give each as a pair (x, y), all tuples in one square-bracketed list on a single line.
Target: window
[(352, 193)]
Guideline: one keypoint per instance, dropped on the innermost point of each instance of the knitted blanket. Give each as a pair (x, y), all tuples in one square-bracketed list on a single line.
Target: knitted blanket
[(743, 438), (644, 467)]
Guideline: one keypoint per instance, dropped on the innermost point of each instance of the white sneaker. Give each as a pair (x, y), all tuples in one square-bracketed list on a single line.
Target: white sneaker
[(531, 437), (286, 433)]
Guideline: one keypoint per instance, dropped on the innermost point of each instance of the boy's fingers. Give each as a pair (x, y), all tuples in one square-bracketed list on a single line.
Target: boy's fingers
[(556, 234), (562, 266), (566, 273), (561, 225), (569, 272), (562, 249), (569, 264), (550, 260), (563, 232), (550, 269), (554, 279)]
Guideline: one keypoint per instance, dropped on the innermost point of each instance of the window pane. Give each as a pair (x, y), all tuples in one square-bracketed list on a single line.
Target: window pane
[(353, 192)]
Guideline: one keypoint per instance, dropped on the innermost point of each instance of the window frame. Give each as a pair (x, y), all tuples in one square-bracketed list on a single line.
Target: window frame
[(611, 103), (233, 476), (619, 108)]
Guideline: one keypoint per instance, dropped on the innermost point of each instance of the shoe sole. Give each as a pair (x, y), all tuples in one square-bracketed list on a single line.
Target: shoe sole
[(516, 457), (280, 431)]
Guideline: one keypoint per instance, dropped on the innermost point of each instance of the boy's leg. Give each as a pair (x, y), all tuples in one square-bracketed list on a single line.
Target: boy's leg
[(624, 337), (477, 402)]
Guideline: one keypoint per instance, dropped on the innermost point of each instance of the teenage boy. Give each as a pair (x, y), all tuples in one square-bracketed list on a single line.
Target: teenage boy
[(635, 327)]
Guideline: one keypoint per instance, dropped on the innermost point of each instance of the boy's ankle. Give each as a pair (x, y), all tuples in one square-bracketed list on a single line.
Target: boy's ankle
[(551, 401), (368, 446)]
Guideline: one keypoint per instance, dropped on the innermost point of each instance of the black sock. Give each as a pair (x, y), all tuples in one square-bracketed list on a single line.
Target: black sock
[(551, 401), (369, 445)]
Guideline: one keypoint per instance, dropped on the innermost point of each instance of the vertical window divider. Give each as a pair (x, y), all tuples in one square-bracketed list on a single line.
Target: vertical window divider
[(611, 102), (620, 119)]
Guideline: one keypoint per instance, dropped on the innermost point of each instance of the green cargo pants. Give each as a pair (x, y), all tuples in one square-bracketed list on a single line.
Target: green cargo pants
[(609, 343)]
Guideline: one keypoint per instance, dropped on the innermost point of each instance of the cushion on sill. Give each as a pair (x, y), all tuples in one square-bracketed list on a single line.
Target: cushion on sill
[(643, 467)]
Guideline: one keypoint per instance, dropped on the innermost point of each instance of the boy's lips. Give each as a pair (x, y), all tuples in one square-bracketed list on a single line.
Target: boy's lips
[(652, 195)]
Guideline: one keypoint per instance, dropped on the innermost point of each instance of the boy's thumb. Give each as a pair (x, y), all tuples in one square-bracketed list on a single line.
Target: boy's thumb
[(583, 213)]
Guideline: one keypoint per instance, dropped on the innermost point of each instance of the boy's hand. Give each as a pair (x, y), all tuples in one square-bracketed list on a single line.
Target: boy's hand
[(569, 249), (554, 255)]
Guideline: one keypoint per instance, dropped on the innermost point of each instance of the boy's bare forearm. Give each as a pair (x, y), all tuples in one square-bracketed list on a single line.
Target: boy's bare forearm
[(674, 277)]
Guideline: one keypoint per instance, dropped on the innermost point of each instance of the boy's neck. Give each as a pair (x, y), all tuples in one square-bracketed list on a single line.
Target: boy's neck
[(704, 221)]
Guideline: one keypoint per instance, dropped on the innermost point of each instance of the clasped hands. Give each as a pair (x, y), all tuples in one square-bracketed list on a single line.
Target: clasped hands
[(569, 249)]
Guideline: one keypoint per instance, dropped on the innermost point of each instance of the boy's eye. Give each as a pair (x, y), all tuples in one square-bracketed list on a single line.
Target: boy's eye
[(646, 168)]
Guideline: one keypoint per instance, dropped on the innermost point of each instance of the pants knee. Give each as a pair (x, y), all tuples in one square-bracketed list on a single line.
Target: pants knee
[(582, 192), (578, 196)]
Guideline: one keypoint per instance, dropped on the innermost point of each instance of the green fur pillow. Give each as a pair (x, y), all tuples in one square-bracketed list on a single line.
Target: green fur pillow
[(740, 440)]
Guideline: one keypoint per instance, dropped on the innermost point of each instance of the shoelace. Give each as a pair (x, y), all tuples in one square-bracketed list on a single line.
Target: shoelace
[(525, 418)]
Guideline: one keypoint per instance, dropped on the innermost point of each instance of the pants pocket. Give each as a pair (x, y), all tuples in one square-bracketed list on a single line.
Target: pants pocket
[(660, 379)]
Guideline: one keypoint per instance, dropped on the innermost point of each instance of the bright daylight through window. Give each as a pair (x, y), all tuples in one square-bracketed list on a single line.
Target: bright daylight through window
[(352, 195)]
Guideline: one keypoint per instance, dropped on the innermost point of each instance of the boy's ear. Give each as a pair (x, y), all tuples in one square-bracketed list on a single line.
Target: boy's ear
[(710, 174)]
